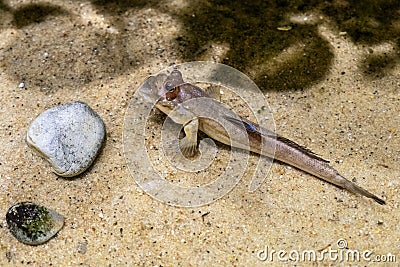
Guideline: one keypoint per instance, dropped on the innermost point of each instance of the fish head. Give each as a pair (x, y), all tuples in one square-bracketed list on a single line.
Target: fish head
[(168, 91)]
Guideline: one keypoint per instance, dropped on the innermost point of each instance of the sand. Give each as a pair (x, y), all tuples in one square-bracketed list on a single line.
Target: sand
[(329, 71)]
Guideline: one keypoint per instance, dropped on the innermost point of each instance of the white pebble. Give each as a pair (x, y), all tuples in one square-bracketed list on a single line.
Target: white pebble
[(69, 136)]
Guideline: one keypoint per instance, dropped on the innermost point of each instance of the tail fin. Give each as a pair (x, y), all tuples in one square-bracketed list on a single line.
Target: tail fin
[(358, 190)]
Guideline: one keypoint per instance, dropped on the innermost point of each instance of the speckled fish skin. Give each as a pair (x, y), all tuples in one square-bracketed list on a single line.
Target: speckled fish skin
[(174, 91)]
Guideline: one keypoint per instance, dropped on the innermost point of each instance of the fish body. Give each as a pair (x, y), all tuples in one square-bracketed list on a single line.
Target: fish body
[(175, 98)]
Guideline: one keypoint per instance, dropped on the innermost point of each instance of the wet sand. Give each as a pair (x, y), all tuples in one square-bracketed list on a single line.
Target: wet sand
[(330, 74)]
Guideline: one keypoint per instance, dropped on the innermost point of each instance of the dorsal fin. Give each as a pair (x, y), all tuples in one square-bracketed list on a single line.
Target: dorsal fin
[(213, 92), (253, 128), (299, 147)]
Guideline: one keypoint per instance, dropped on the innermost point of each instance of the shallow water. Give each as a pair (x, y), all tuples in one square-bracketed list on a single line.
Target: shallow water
[(331, 82)]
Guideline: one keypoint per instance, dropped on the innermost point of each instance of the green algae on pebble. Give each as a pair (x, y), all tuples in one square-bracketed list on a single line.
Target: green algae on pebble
[(33, 224)]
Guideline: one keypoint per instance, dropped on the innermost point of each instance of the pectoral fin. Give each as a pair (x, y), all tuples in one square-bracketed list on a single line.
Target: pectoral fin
[(188, 144), (213, 92)]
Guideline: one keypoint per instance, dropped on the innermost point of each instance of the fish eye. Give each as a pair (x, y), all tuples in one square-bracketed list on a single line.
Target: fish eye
[(176, 73), (169, 86)]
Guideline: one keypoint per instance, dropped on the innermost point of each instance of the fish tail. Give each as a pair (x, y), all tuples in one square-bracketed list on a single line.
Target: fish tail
[(358, 190)]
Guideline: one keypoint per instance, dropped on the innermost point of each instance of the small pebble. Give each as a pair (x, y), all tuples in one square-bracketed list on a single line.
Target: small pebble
[(69, 136), (33, 224), (82, 247)]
